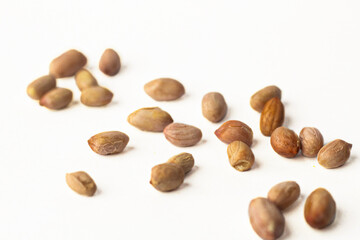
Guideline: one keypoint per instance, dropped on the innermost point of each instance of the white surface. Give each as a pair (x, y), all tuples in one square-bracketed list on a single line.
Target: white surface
[(308, 48)]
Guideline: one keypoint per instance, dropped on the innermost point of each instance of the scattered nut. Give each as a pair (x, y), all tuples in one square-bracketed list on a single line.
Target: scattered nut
[(96, 96), (56, 99), (107, 143), (214, 107), (334, 154), (84, 79), (184, 160), (150, 119), (110, 62), (40, 86), (182, 135), (320, 209), (164, 89), (272, 116), (259, 99), (311, 141), (266, 219), (67, 64), (240, 156), (167, 177), (233, 130), (285, 142), (81, 183), (284, 194)]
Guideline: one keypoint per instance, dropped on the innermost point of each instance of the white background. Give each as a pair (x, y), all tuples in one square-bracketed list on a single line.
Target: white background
[(310, 49)]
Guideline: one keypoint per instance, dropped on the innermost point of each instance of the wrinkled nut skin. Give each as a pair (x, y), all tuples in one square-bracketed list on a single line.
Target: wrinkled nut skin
[(272, 116), (259, 99), (81, 183), (96, 96), (182, 135), (334, 154), (285, 142), (214, 107), (167, 177), (320, 209), (150, 119), (284, 194), (164, 89), (184, 160), (311, 141), (266, 219), (110, 63), (107, 143), (56, 99), (240, 156), (40, 86), (84, 79), (234, 130), (67, 64)]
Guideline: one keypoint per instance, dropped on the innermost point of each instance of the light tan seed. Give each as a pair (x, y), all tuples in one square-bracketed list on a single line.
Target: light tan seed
[(150, 119), (96, 96), (214, 107), (184, 160), (110, 63), (167, 177), (84, 79), (334, 154), (284, 194), (67, 64), (311, 141), (164, 89), (259, 99), (40, 86), (107, 143), (81, 183), (182, 135), (57, 98), (240, 156)]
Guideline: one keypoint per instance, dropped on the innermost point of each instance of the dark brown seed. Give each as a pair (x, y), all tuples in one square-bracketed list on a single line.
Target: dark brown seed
[(57, 98), (266, 219), (259, 99), (167, 177), (233, 130), (40, 86), (284, 194), (107, 143), (164, 89), (182, 135), (320, 209), (214, 107), (334, 154), (81, 183), (67, 64), (110, 63), (96, 96), (272, 116), (285, 142)]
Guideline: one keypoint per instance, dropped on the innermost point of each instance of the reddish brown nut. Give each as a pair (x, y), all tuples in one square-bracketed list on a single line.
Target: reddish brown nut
[(182, 135), (266, 219), (284, 194), (110, 63), (285, 142), (234, 130), (311, 141), (272, 116), (320, 209), (67, 64), (334, 154)]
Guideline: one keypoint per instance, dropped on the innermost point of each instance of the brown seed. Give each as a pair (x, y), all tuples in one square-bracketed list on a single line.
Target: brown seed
[(96, 96), (259, 99), (67, 64), (234, 130), (107, 143), (182, 135), (285, 142), (334, 154), (184, 160), (164, 89), (272, 116), (320, 209), (40, 86), (84, 79), (214, 107), (167, 177), (266, 219), (311, 141), (150, 119), (81, 183), (110, 63), (57, 98), (284, 194), (240, 156)]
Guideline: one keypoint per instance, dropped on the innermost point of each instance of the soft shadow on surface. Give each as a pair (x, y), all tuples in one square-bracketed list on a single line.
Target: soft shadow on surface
[(287, 121), (127, 149), (227, 116), (193, 170), (112, 103), (202, 142), (295, 205), (98, 192), (254, 143), (256, 165), (73, 103), (182, 186), (286, 234)]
